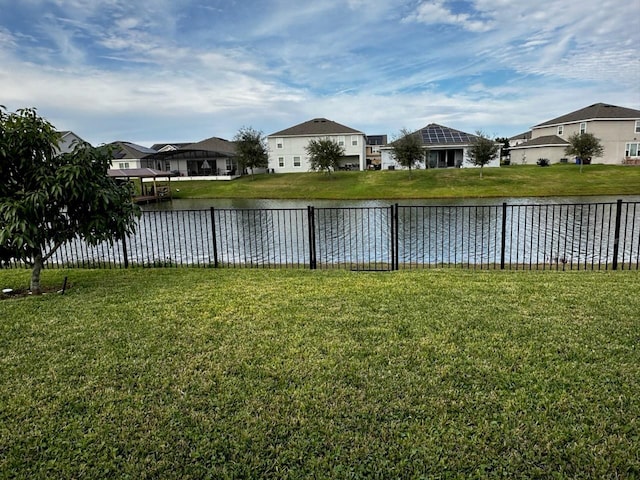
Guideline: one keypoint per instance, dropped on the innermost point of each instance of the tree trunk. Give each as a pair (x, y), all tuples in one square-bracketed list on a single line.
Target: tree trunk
[(35, 275), (481, 171)]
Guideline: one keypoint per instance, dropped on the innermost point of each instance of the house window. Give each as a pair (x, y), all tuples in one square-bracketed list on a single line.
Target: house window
[(583, 127), (341, 141), (637, 130), (354, 140), (281, 162), (560, 129), (632, 150), (167, 165), (279, 143), (296, 161), (123, 165)]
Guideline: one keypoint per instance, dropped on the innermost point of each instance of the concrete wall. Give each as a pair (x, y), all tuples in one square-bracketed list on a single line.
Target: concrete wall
[(529, 156)]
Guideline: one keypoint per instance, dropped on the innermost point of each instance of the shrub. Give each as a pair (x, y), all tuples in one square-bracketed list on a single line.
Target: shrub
[(543, 162)]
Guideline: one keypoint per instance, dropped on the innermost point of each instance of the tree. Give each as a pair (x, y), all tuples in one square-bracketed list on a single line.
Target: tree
[(407, 149), (482, 151), (504, 153), (251, 149), (48, 198), (585, 146), (324, 154)]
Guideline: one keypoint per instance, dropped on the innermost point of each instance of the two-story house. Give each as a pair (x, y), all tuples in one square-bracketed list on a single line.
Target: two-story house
[(287, 148), (617, 128)]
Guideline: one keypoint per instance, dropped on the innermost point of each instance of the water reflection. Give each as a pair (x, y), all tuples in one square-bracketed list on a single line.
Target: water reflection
[(241, 203)]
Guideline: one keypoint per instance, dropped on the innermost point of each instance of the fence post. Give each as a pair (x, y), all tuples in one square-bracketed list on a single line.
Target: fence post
[(503, 238), (616, 238), (311, 221), (125, 254), (396, 236), (213, 236), (392, 236)]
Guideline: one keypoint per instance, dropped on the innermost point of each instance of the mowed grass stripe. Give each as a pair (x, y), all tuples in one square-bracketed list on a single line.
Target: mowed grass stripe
[(511, 181), (328, 374)]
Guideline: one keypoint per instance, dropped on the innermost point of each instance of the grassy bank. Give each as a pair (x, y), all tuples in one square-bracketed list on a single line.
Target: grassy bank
[(300, 374), (513, 181)]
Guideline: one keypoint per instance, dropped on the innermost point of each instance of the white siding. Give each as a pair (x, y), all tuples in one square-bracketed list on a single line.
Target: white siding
[(296, 147)]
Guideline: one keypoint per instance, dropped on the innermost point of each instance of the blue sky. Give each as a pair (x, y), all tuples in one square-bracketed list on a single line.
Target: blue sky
[(152, 71)]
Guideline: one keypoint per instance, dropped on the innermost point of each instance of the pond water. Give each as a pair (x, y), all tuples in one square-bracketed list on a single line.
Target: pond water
[(552, 232), (242, 203)]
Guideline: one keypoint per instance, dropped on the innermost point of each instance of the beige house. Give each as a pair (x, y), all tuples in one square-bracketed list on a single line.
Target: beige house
[(617, 128), (287, 148)]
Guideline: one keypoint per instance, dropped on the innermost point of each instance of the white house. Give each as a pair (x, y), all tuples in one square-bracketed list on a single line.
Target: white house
[(445, 147), (287, 151), (68, 141), (617, 128)]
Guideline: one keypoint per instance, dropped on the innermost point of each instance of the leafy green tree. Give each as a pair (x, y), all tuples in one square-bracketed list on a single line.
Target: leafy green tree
[(251, 149), (482, 150), (407, 149), (504, 153), (324, 154), (585, 146), (48, 198)]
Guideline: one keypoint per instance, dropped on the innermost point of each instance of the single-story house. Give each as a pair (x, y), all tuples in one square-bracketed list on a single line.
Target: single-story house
[(617, 128), (212, 157), (444, 147), (287, 151)]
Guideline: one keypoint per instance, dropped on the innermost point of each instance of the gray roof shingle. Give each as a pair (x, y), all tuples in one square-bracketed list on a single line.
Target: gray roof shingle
[(317, 126), (213, 144), (545, 140), (593, 112)]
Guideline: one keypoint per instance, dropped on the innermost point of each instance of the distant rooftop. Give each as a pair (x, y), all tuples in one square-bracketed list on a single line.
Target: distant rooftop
[(317, 126), (434, 134), (596, 111)]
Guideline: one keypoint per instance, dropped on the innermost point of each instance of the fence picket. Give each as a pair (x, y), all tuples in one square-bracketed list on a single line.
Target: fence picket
[(563, 236)]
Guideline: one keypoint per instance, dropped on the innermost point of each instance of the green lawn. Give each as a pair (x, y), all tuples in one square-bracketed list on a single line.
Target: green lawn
[(321, 374), (512, 181)]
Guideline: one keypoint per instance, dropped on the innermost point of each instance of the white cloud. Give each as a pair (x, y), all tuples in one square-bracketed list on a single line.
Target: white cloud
[(435, 12), (349, 61)]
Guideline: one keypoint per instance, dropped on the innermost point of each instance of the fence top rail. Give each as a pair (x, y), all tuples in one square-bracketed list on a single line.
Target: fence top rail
[(386, 207)]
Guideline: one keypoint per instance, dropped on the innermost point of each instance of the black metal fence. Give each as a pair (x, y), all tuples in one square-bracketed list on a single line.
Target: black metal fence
[(593, 236)]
